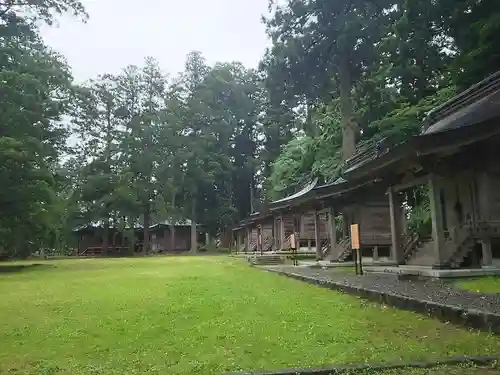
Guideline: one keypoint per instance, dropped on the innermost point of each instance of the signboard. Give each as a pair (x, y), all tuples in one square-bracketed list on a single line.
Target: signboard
[(355, 236), (292, 241)]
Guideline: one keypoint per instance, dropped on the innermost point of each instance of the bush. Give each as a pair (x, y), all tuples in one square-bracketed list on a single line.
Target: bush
[(420, 221)]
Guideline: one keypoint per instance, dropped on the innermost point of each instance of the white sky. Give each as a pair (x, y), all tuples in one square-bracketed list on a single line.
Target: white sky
[(123, 32)]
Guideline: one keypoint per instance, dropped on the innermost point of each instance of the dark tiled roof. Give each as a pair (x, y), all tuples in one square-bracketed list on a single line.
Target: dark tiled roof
[(306, 189), (477, 104)]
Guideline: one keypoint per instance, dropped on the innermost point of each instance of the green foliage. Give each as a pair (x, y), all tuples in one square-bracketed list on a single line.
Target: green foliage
[(328, 158), (35, 85), (40, 10), (473, 26), (293, 166), (25, 198), (419, 220), (159, 149), (406, 119)]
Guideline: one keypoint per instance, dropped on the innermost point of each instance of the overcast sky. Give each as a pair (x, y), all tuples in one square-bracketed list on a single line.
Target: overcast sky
[(123, 32)]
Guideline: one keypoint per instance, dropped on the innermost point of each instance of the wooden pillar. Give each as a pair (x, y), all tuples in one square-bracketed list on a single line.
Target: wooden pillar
[(395, 218), (317, 235), (282, 233), (332, 230), (296, 229), (487, 254), (347, 224), (259, 238), (402, 213), (279, 232), (484, 196), (241, 241), (375, 253), (437, 221), (249, 239), (276, 235)]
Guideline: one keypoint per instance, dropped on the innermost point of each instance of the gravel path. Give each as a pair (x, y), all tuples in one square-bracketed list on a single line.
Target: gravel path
[(429, 290)]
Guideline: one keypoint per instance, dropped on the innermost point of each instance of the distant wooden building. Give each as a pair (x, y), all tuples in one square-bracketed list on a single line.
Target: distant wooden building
[(164, 238), (312, 215), (90, 239), (361, 202)]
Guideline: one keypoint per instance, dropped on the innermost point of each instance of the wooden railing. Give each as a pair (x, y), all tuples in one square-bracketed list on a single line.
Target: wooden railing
[(98, 251), (410, 244), (487, 229), (253, 245), (463, 240), (267, 243), (91, 251), (345, 250), (325, 247), (288, 243)]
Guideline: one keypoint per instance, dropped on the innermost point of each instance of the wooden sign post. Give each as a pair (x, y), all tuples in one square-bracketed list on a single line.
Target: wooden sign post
[(356, 247), (355, 236), (293, 245)]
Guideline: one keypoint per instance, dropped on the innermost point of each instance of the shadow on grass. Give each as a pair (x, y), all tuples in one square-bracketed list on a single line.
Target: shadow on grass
[(23, 267)]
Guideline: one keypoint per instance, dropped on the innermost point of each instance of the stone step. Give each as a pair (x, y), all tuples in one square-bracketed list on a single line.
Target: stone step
[(266, 260)]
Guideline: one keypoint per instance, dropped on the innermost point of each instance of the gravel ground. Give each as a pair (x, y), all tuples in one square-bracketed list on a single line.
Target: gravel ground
[(429, 290)]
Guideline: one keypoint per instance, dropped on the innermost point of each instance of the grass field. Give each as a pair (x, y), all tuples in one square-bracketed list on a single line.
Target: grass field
[(464, 369), (481, 285), (200, 315)]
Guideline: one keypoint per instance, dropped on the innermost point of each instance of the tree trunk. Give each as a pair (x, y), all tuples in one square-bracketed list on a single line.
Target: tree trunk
[(311, 128), (131, 239), (172, 225), (194, 244), (105, 237), (349, 126), (147, 223), (251, 192), (172, 235)]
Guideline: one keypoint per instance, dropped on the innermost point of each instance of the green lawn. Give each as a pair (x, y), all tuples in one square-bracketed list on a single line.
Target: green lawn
[(200, 315), (463, 369), (481, 285)]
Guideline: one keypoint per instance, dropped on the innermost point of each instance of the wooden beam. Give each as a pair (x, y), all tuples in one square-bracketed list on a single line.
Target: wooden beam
[(249, 238), (317, 237), (282, 232), (415, 181), (332, 229)]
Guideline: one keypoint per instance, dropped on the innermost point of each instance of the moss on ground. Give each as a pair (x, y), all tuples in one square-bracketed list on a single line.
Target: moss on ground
[(481, 284)]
